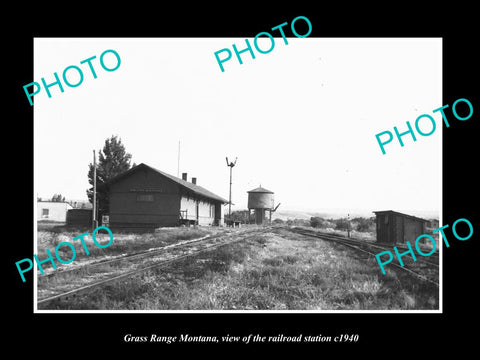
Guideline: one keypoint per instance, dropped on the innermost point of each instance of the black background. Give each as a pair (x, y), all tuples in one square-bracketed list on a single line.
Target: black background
[(380, 334)]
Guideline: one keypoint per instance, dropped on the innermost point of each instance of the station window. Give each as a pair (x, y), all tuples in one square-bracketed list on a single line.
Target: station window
[(45, 213)]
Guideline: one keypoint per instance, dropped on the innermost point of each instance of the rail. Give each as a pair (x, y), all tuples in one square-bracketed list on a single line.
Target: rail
[(357, 245), (243, 234)]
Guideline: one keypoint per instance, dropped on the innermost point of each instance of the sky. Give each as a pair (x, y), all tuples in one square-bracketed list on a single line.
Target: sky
[(301, 119)]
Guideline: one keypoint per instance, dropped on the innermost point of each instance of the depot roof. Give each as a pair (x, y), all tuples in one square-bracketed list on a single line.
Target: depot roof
[(196, 189)]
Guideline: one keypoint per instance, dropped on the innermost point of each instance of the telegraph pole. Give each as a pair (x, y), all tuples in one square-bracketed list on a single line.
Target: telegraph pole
[(348, 225), (178, 160), (94, 214), (231, 165)]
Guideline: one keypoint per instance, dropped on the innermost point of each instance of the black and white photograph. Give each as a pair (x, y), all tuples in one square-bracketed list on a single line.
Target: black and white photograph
[(251, 189), (250, 181)]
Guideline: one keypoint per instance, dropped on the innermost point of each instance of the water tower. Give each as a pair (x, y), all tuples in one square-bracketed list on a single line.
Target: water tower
[(261, 199)]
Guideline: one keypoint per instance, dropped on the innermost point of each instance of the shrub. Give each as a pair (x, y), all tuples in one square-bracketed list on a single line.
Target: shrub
[(364, 224), (316, 222)]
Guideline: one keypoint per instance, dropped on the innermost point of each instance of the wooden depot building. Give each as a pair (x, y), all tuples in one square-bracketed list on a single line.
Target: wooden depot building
[(144, 198)]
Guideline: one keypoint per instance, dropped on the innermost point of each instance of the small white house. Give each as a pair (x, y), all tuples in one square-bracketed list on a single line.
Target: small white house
[(52, 210)]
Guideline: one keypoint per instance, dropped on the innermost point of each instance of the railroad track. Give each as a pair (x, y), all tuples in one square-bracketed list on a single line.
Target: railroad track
[(128, 257), (80, 280), (365, 247), (381, 246)]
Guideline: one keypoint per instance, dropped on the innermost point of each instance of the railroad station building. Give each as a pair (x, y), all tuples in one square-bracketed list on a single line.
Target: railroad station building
[(144, 198), (397, 228)]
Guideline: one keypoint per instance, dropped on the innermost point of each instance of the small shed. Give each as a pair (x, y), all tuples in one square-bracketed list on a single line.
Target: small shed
[(52, 210), (396, 228), (79, 217)]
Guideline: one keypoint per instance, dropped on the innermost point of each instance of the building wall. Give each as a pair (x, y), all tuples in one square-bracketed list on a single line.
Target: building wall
[(383, 233), (398, 229), (144, 199), (202, 211), (129, 208), (412, 230), (395, 228), (79, 217), (219, 214), (52, 211)]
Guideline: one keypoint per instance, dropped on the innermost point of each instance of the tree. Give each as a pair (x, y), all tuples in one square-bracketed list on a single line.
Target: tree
[(316, 221), (364, 224), (112, 161), (341, 224), (239, 215), (58, 198)]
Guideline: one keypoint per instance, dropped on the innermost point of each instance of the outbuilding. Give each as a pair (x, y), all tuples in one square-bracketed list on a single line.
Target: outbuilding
[(396, 228), (52, 210), (144, 198)]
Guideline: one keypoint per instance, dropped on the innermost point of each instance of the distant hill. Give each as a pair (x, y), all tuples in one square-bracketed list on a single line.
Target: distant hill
[(306, 215), (337, 213)]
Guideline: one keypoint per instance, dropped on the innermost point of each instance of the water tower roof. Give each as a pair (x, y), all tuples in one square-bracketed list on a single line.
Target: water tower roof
[(260, 190)]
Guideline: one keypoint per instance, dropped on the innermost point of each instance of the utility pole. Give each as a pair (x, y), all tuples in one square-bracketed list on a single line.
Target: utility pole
[(231, 165), (348, 225), (94, 213), (178, 160)]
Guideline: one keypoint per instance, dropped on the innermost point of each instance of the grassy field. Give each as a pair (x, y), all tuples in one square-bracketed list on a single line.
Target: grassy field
[(274, 271), (50, 237)]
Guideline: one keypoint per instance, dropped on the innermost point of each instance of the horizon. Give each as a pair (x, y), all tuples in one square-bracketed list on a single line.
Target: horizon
[(333, 213)]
